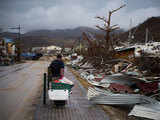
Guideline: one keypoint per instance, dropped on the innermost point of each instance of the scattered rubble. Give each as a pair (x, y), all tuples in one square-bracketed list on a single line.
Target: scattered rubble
[(106, 97), (123, 76), (129, 84), (132, 81), (151, 111)]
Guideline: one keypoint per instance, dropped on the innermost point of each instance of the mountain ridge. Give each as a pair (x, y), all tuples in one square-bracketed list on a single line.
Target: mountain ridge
[(139, 32), (44, 37)]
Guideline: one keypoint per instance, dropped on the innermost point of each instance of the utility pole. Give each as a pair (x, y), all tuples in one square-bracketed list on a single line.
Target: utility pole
[(80, 46), (18, 45), (146, 38), (130, 33)]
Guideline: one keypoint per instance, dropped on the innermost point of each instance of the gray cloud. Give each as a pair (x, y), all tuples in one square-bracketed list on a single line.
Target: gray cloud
[(137, 4), (53, 14)]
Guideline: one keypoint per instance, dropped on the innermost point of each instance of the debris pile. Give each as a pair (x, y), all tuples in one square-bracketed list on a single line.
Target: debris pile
[(125, 83), (125, 76), (100, 96), (151, 111)]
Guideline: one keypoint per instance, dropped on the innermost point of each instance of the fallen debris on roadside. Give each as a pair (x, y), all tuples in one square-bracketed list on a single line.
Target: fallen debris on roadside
[(128, 75)]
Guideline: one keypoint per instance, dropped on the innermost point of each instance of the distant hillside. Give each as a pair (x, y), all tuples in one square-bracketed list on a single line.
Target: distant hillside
[(56, 37), (68, 36), (62, 33), (9, 35), (53, 37), (153, 25)]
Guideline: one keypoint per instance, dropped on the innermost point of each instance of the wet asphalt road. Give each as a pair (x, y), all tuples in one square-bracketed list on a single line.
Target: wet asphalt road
[(17, 84)]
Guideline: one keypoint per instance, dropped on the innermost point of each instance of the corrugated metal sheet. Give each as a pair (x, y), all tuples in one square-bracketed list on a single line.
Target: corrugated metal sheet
[(120, 78), (99, 96), (151, 111), (94, 82)]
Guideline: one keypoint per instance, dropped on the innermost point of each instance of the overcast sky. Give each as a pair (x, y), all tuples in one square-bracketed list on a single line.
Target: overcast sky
[(59, 14)]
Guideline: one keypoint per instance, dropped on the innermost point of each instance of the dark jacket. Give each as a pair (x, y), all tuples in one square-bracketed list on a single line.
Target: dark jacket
[(56, 67)]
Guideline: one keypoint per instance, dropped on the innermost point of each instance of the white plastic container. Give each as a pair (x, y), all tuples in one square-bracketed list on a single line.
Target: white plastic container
[(58, 95)]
